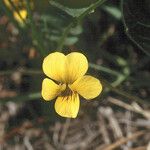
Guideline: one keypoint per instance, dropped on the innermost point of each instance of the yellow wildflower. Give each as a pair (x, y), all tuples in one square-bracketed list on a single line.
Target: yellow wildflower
[(21, 7), (21, 17), (8, 4), (68, 80)]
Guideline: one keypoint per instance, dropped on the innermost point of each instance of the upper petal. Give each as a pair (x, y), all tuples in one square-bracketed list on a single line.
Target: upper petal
[(50, 89), (54, 66), (76, 66), (67, 106), (87, 86)]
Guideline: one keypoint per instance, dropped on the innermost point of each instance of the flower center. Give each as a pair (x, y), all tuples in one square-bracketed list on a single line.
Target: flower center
[(67, 91)]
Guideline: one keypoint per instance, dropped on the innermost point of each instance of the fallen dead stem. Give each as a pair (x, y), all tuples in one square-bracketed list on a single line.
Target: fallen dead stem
[(134, 107), (64, 131), (20, 129), (103, 129), (13, 132), (124, 140), (139, 148)]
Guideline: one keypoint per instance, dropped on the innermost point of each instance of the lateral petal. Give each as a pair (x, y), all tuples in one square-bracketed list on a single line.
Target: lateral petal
[(50, 89), (87, 86)]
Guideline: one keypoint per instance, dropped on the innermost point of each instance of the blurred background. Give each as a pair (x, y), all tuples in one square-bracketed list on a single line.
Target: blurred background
[(114, 36)]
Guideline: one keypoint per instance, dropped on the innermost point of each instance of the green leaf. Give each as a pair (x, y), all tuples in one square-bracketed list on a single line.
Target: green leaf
[(76, 3), (70, 11), (114, 11), (137, 22), (21, 98), (53, 26)]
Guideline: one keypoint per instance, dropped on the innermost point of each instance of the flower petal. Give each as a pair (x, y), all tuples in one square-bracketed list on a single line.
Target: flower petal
[(50, 89), (7, 3), (23, 15), (68, 106), (54, 66), (87, 86), (76, 65)]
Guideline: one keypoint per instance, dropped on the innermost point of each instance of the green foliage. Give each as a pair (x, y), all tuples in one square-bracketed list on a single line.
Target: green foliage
[(112, 10), (137, 23), (56, 26), (77, 3)]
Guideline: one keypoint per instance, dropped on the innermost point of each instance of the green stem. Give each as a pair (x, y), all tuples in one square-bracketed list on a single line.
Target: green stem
[(104, 69), (119, 80), (21, 98), (22, 71), (90, 9), (122, 93), (120, 76), (35, 34), (63, 37), (77, 20)]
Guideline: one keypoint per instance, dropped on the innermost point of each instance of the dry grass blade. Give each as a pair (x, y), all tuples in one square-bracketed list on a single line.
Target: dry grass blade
[(139, 148), (123, 140), (114, 125), (103, 129), (134, 107), (64, 131)]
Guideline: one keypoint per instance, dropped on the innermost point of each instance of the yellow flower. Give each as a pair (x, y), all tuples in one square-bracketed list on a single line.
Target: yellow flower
[(21, 17), (68, 80), (21, 10), (8, 4)]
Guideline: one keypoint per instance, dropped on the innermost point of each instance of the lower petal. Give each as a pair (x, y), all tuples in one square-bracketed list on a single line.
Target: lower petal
[(68, 106), (87, 86)]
